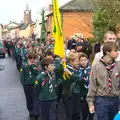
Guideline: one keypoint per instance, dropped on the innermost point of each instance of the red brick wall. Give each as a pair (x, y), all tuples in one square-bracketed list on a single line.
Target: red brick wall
[(75, 22), (49, 23)]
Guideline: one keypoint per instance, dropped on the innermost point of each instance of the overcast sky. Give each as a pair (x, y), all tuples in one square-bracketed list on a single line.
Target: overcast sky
[(13, 9)]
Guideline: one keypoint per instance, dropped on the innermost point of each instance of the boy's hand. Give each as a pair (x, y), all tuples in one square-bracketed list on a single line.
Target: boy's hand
[(29, 62), (66, 70), (92, 109), (63, 60)]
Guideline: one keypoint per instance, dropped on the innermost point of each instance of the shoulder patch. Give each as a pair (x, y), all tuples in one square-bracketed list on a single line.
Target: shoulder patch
[(21, 70), (43, 73), (36, 82)]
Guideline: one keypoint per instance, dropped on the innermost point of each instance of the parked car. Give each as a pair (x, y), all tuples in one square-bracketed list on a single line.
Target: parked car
[(2, 50)]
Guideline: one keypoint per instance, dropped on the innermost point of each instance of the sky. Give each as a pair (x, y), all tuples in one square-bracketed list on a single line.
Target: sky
[(14, 9)]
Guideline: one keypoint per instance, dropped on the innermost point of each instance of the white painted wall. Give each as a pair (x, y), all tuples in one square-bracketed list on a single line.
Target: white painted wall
[(1, 32)]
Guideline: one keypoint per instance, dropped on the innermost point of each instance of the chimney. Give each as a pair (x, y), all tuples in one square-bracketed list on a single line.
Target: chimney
[(50, 8)]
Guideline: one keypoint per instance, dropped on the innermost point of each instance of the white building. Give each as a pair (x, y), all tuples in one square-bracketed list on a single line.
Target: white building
[(1, 28)]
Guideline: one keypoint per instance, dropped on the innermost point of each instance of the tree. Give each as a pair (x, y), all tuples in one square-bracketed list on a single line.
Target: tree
[(106, 17)]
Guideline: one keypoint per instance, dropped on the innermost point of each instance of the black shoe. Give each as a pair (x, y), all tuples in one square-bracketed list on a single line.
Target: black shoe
[(31, 114), (36, 117)]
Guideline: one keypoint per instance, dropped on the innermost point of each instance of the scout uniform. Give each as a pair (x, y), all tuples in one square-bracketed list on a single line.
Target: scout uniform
[(80, 90), (104, 89), (45, 86), (18, 57), (23, 55), (28, 75), (67, 92)]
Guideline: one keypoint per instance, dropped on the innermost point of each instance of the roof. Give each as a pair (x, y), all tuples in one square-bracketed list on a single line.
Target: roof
[(14, 23), (41, 21), (48, 13), (11, 28), (24, 26), (32, 23), (78, 5)]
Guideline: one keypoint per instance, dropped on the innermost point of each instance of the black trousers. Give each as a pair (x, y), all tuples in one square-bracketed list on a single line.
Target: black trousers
[(68, 105), (48, 110), (75, 105), (80, 105), (29, 91), (18, 62), (9, 52), (36, 105)]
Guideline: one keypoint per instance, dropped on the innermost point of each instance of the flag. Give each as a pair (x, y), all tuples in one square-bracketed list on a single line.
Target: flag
[(43, 28), (58, 34), (57, 30)]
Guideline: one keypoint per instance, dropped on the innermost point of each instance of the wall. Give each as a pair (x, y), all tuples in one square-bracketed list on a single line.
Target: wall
[(49, 23), (25, 33), (37, 30), (1, 31), (77, 22)]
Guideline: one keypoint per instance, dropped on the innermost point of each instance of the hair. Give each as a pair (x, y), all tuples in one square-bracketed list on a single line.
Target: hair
[(45, 62), (48, 32), (108, 47), (82, 55), (42, 56), (73, 57), (108, 32), (49, 53), (32, 55)]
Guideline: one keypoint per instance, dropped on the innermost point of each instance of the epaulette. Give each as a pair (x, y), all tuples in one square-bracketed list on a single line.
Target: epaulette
[(69, 67), (43, 73)]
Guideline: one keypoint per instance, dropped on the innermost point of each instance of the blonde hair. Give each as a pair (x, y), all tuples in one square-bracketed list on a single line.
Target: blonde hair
[(73, 56), (108, 32)]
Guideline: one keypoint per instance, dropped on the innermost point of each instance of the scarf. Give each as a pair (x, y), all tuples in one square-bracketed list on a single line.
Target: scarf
[(109, 70), (84, 75)]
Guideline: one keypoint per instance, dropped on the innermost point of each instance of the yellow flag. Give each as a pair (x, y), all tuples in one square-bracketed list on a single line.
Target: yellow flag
[(57, 33), (57, 30)]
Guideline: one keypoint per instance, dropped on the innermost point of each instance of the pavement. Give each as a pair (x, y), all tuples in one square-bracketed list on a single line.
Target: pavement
[(12, 98)]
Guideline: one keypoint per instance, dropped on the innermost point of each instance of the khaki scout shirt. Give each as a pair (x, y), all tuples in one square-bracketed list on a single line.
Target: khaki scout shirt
[(99, 84)]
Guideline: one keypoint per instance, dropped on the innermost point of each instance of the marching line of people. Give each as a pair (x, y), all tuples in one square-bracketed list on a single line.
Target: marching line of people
[(83, 90)]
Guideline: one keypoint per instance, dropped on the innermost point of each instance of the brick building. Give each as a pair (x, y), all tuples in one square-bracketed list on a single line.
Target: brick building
[(76, 17), (27, 15)]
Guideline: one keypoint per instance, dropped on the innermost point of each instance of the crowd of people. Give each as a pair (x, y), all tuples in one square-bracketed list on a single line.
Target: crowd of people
[(83, 90)]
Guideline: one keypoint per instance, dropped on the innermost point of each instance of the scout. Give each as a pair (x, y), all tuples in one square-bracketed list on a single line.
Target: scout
[(28, 76), (46, 91), (80, 90), (18, 57), (104, 88), (69, 84), (46, 84)]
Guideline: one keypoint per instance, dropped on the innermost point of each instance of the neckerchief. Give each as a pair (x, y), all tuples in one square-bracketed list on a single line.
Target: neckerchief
[(109, 70), (84, 75)]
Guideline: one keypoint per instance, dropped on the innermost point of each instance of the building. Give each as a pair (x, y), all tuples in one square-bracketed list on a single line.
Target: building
[(27, 15), (26, 29), (23, 29), (1, 28), (37, 28), (76, 17), (11, 29)]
